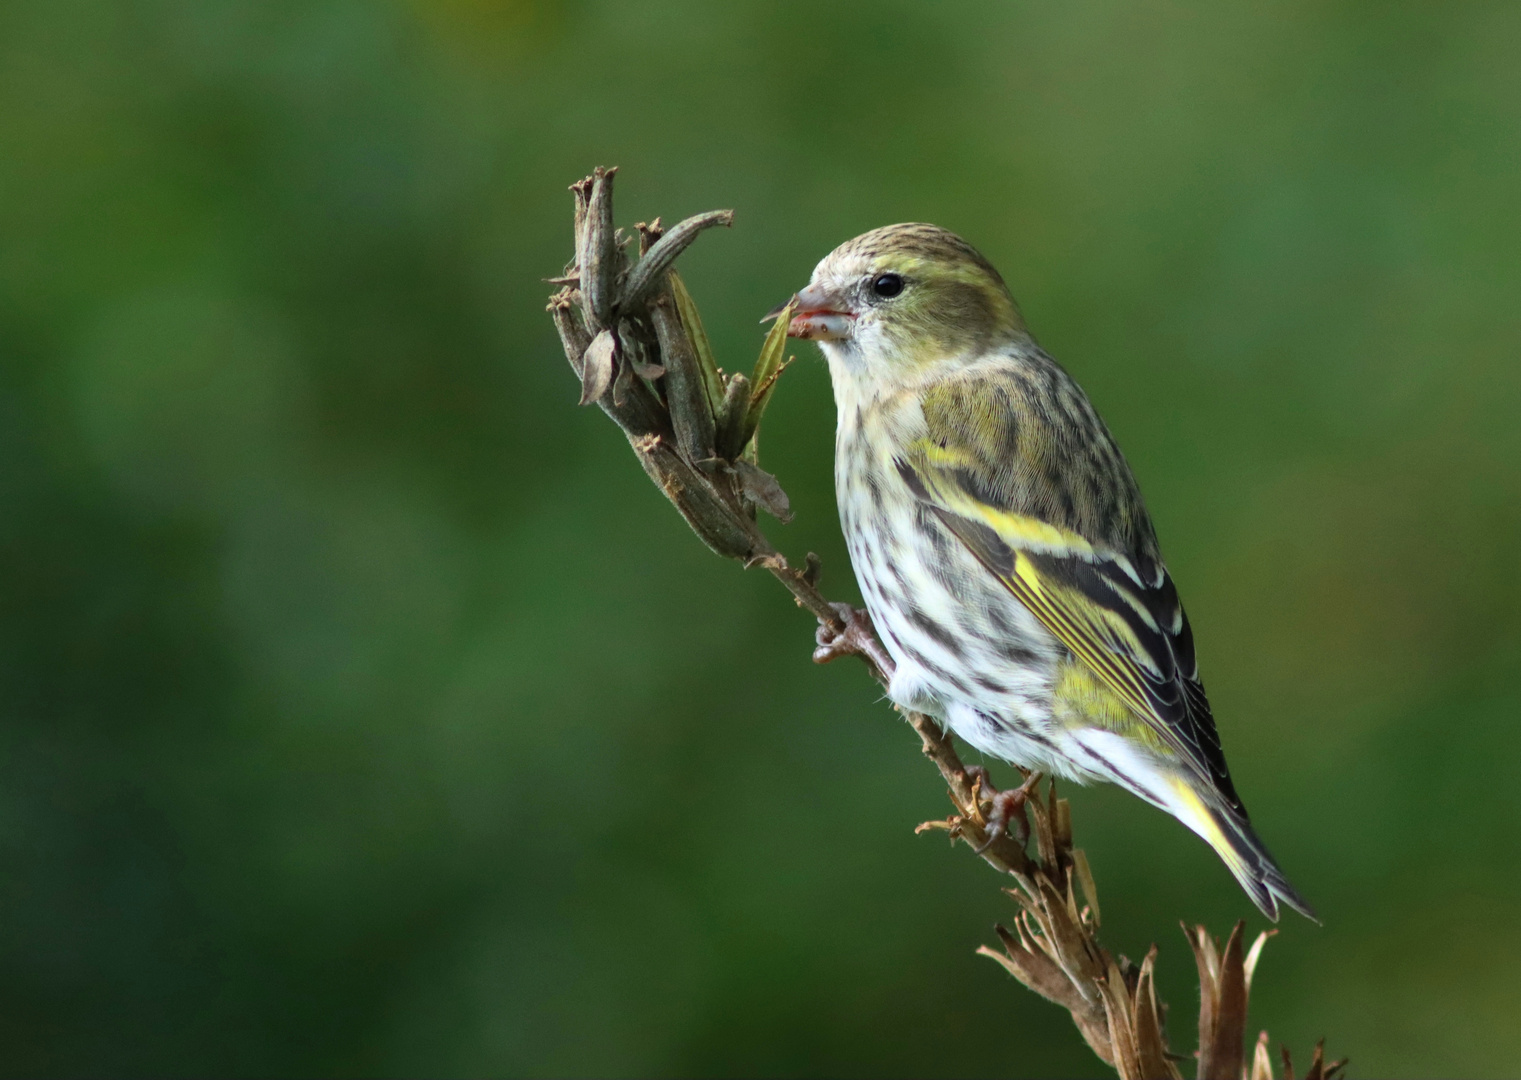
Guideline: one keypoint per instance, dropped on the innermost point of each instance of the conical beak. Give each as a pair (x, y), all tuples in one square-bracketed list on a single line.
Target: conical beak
[(819, 317), (775, 313)]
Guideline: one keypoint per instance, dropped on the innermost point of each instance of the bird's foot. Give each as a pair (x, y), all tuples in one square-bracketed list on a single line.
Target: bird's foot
[(1007, 806), (857, 638)]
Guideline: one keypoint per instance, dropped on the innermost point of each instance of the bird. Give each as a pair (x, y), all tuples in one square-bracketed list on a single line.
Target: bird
[(1001, 544)]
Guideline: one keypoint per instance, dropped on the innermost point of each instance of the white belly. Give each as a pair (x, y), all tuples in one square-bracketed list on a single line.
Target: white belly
[(967, 652)]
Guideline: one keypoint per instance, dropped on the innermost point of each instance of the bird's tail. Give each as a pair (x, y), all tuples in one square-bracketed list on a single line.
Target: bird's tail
[(1228, 831)]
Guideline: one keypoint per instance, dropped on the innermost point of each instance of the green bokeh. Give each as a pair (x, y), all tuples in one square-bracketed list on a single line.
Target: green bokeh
[(365, 710)]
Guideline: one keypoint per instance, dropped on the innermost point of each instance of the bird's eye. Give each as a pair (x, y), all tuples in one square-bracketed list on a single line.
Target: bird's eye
[(887, 285)]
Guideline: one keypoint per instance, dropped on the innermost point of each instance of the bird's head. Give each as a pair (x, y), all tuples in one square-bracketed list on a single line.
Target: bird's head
[(903, 297)]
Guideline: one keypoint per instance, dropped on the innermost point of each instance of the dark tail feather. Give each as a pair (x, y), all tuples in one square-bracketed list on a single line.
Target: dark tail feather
[(1254, 867)]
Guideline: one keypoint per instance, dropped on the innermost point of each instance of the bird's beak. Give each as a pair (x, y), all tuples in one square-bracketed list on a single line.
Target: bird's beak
[(819, 316)]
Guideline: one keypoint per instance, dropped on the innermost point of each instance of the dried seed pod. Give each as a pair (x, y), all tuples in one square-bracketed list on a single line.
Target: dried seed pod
[(599, 251), (581, 189), (649, 232), (730, 433), (710, 516), (652, 268), (686, 392), (573, 335)]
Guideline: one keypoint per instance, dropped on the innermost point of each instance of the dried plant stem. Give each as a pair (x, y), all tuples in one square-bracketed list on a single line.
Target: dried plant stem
[(635, 341)]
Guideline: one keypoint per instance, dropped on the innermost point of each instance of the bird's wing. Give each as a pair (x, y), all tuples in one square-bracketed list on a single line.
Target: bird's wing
[(1111, 603)]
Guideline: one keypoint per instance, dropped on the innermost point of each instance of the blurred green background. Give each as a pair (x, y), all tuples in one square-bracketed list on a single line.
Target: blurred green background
[(366, 710)]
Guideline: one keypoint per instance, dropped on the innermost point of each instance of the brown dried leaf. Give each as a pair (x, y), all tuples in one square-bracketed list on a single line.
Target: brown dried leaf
[(1075, 912), (1061, 824), (1221, 1041), (1034, 969), (1038, 972), (597, 367), (1208, 963), (1067, 939), (1032, 929), (1126, 1061), (763, 490), (1249, 966), (632, 351), (1045, 841), (1319, 1068), (1262, 1062), (1085, 880), (623, 384), (1146, 1022), (1206, 955)]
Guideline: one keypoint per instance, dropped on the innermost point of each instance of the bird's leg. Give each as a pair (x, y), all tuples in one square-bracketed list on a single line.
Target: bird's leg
[(858, 638), (1007, 806), (981, 780)]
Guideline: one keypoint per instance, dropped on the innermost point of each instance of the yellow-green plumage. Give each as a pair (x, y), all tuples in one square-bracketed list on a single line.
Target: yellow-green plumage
[(1002, 544)]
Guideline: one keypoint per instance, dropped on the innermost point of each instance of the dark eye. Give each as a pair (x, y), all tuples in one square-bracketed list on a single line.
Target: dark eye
[(887, 285)]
